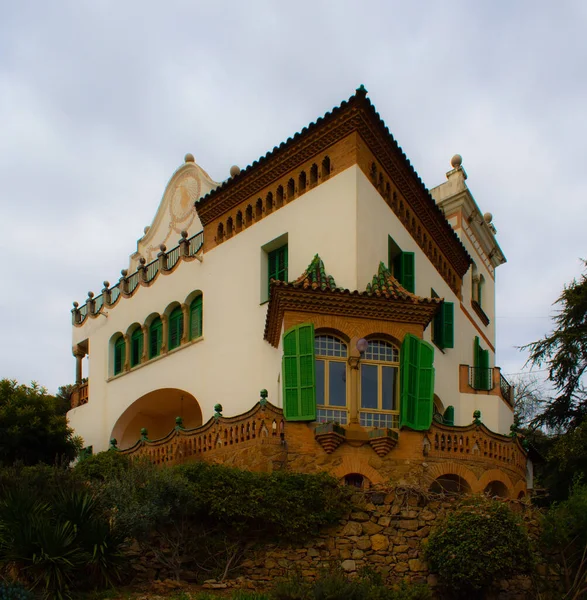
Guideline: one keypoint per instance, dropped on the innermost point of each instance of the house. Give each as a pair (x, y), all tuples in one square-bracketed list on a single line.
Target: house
[(327, 275)]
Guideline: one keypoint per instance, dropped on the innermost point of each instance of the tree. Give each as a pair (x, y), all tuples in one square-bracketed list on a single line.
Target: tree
[(31, 428), (564, 352), (529, 397)]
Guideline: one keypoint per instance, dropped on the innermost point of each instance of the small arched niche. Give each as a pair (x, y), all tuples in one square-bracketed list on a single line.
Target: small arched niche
[(496, 489), (450, 484)]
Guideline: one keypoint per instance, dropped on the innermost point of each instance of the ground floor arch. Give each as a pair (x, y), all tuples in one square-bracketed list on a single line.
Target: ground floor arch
[(156, 411)]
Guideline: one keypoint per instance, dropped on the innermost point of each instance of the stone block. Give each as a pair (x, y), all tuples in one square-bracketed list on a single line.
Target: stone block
[(357, 554), (352, 528), (363, 543), (384, 521), (401, 567), (417, 565), (349, 566), (370, 528), (408, 524), (379, 542), (360, 516)]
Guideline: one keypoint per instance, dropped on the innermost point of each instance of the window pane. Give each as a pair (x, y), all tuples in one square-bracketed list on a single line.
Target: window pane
[(381, 351), (368, 386), (328, 345), (337, 382), (319, 382), (388, 399)]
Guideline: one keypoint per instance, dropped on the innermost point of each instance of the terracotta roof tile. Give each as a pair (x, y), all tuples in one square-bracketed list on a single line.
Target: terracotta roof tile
[(315, 277), (385, 284)]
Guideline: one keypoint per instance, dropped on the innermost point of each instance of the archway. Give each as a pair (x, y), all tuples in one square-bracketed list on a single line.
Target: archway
[(450, 484), (496, 488), (156, 411)]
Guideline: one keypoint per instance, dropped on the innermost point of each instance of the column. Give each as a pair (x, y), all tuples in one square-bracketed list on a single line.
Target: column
[(164, 333), (145, 354), (79, 355), (185, 310), (354, 361), (126, 365)]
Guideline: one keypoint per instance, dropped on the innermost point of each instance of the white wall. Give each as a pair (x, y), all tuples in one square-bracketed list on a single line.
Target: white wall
[(232, 362)]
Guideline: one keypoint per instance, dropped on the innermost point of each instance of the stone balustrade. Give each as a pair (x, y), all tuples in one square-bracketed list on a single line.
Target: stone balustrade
[(262, 425)]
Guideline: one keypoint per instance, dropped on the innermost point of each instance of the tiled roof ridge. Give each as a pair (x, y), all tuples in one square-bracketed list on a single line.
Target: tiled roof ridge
[(360, 95), (385, 284), (315, 276)]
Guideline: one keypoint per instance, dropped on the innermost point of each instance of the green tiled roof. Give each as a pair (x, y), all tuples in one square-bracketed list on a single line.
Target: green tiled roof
[(315, 276)]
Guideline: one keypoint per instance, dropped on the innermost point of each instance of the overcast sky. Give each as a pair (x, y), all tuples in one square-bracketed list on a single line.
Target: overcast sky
[(100, 100)]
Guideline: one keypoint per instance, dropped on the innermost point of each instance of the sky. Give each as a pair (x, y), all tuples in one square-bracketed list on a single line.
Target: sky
[(101, 100)]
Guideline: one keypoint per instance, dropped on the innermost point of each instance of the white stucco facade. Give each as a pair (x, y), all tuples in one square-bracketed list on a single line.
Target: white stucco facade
[(347, 222)]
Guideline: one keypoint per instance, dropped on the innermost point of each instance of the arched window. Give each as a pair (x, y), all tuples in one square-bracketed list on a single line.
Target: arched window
[(325, 167), (220, 233), (175, 328), (136, 347), (279, 201), (302, 180), (269, 202), (229, 227), (314, 174), (258, 209), (119, 354), (331, 380), (248, 215), (380, 385), (196, 314), (291, 190), (155, 337), (239, 221)]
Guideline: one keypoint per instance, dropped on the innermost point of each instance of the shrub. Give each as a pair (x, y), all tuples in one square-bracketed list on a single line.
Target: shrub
[(564, 534), (56, 540), (103, 466), (14, 591), (478, 542)]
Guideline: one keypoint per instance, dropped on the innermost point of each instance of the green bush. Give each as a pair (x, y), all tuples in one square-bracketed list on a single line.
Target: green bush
[(14, 591), (57, 538), (335, 585), (103, 466), (478, 542), (564, 535)]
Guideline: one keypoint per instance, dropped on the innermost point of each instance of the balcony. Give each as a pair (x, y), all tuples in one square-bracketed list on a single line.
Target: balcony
[(80, 394), (477, 380)]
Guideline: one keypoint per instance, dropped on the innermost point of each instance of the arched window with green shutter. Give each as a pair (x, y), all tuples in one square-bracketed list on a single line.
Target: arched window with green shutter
[(155, 337), (299, 373), (136, 347), (119, 354), (175, 328), (417, 383), (196, 318)]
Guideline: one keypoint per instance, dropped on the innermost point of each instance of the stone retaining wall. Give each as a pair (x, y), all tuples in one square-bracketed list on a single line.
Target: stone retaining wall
[(385, 531)]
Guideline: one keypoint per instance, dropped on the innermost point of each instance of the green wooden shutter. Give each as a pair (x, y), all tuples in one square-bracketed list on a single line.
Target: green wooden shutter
[(448, 324), (449, 416), (485, 370), (476, 364), (425, 398), (277, 265), (136, 347), (175, 328), (409, 363), (119, 355), (409, 271), (299, 374), (404, 270), (196, 314), (417, 383), (155, 337)]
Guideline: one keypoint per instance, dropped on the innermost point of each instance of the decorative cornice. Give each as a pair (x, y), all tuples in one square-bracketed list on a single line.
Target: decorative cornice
[(355, 115), (366, 305)]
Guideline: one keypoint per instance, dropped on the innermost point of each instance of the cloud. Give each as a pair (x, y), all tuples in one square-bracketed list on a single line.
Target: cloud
[(100, 101)]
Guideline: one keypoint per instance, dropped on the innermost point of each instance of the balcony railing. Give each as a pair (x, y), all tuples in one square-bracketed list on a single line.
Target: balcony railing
[(506, 389), (481, 378), (80, 395), (187, 248)]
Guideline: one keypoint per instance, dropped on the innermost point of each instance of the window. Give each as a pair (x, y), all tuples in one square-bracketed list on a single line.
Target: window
[(379, 385), (482, 372), (277, 265), (155, 337), (196, 314), (402, 265), (119, 354), (299, 375), (443, 331), (175, 328), (136, 347), (331, 379)]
